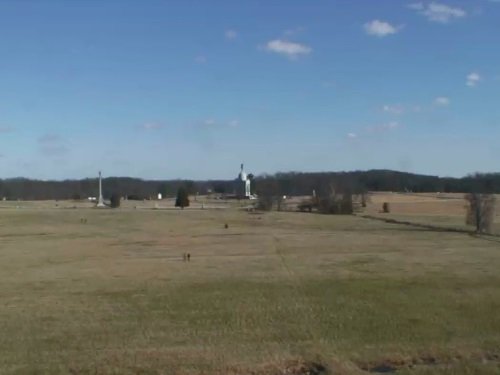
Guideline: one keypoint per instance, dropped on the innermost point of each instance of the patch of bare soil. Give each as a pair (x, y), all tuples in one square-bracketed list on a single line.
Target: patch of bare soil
[(388, 366), (294, 367), (308, 368)]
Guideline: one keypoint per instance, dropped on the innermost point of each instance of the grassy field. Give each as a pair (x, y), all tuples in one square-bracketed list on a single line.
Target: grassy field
[(444, 210), (272, 291)]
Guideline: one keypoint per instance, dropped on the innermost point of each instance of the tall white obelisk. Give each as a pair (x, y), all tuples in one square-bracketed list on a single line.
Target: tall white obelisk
[(100, 202)]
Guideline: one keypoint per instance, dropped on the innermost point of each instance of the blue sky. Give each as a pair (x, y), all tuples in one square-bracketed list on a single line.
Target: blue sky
[(190, 89)]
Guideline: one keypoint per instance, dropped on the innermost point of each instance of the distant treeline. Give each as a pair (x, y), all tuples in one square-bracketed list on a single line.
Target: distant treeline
[(290, 183), (299, 183)]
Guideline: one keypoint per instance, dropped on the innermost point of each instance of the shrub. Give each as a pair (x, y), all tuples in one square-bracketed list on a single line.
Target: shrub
[(134, 197), (336, 204), (265, 203), (305, 205)]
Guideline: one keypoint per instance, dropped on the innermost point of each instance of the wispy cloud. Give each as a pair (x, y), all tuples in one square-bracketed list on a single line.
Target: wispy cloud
[(209, 122), (416, 6), (206, 133), (231, 34), (151, 126), (437, 12), (442, 101), (290, 49), (52, 145), (328, 84), (49, 138), (380, 28), (200, 59), (473, 79), (373, 130), (6, 129), (394, 109), (383, 127), (294, 31)]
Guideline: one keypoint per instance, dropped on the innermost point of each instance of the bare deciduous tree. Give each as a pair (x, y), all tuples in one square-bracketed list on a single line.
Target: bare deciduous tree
[(480, 211), (332, 201), (270, 195)]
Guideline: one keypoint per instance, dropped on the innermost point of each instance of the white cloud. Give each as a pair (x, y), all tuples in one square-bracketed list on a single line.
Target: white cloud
[(437, 12), (416, 6), (473, 79), (391, 125), (393, 109), (151, 126), (380, 28), (290, 49), (384, 127), (373, 130), (442, 101), (213, 124), (295, 31), (231, 34), (200, 59)]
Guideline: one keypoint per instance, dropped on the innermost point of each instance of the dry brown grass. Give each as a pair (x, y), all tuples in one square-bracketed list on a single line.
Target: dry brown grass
[(443, 209), (113, 296)]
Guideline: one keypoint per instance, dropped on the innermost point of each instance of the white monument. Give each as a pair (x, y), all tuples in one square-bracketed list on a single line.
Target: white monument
[(100, 202), (243, 184)]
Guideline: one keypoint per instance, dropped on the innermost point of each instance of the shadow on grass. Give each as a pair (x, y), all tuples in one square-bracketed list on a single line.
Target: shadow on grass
[(434, 228)]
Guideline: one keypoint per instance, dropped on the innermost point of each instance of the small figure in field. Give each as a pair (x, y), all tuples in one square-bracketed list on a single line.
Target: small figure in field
[(226, 226), (83, 220), (188, 257)]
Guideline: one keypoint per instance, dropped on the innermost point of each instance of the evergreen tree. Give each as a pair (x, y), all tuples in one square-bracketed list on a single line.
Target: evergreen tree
[(182, 199), (115, 200)]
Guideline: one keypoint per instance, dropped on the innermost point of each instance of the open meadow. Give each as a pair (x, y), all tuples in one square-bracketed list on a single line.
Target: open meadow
[(274, 293), (445, 210)]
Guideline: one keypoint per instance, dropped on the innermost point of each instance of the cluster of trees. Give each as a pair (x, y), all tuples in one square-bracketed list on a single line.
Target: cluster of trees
[(181, 201), (292, 183), (131, 188), (301, 183), (333, 191), (480, 211), (340, 193)]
